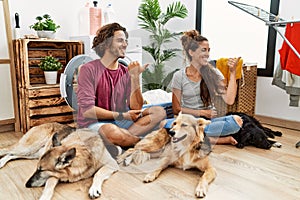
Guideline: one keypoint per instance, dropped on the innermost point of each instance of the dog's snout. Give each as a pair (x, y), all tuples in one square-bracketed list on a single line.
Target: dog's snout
[(171, 132)]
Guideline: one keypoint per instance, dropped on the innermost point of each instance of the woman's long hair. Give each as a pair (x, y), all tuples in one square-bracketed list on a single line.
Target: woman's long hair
[(210, 85)]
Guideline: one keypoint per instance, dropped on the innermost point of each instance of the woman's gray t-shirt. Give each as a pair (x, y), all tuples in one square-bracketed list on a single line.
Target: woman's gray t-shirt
[(190, 90)]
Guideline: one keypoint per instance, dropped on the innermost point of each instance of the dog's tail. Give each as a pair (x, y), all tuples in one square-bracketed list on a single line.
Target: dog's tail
[(5, 151)]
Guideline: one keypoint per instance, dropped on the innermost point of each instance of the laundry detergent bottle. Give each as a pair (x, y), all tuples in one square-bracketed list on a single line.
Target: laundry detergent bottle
[(95, 18), (109, 14), (90, 19)]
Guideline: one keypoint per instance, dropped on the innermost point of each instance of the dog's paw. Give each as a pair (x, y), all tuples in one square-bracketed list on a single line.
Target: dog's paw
[(240, 145), (278, 133), (3, 161), (94, 192), (201, 190), (297, 144), (149, 178), (127, 160), (277, 144)]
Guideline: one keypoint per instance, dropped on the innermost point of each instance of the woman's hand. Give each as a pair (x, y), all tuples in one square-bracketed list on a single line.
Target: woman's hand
[(135, 68), (232, 63), (211, 113)]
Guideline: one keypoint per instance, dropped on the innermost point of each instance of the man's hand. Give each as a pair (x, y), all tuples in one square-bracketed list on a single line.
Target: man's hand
[(135, 68), (133, 115)]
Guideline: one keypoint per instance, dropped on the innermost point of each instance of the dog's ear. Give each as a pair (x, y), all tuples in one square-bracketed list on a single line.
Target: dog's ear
[(66, 158), (202, 123), (55, 140), (200, 129)]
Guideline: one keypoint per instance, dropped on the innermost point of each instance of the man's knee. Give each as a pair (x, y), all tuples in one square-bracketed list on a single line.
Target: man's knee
[(112, 133), (159, 112), (162, 123)]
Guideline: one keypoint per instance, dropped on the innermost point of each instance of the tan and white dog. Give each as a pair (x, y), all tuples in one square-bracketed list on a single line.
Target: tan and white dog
[(34, 143), (68, 156), (187, 148)]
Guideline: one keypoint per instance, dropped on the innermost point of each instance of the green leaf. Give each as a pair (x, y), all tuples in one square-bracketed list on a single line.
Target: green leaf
[(49, 63), (152, 19), (176, 9), (44, 23)]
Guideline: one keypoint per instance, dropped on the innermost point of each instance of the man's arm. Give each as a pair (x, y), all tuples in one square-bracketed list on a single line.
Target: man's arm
[(136, 98)]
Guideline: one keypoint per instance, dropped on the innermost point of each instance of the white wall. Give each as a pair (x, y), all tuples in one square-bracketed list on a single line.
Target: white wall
[(271, 101), (66, 13), (6, 105)]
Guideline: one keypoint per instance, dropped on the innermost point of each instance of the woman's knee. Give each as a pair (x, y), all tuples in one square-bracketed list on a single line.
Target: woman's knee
[(238, 120)]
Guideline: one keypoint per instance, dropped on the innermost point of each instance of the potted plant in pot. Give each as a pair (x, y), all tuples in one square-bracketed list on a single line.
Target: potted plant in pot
[(50, 66), (153, 20), (45, 27)]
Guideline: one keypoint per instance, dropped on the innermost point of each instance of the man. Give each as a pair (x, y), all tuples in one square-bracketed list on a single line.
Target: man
[(109, 94)]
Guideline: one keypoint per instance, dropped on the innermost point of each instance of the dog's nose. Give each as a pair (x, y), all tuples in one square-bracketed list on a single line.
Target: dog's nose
[(171, 133)]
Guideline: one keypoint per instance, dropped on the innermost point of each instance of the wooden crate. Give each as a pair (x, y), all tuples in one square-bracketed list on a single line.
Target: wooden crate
[(246, 94), (38, 102)]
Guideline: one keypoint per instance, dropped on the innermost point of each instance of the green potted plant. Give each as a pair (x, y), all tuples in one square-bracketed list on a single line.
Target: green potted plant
[(152, 19), (50, 66), (45, 27)]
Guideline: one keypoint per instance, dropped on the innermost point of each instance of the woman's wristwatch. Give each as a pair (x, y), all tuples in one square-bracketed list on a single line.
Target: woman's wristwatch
[(120, 116)]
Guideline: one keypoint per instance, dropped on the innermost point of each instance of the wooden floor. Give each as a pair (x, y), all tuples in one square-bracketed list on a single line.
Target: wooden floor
[(247, 174)]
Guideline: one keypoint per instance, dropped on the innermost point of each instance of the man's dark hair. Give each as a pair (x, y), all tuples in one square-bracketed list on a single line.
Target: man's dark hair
[(104, 37)]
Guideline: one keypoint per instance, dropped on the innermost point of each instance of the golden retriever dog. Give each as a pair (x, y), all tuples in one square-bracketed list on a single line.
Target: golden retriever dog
[(34, 143), (187, 148)]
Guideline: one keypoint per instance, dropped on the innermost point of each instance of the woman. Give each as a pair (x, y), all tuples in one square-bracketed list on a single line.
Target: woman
[(195, 87)]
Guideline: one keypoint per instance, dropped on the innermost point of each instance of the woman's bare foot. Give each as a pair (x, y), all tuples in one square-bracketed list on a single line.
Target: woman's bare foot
[(223, 140)]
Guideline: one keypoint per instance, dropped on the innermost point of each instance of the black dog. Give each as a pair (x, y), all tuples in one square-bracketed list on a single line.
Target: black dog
[(253, 133)]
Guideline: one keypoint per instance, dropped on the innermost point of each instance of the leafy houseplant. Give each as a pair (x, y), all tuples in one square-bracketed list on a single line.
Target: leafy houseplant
[(50, 66), (152, 19), (45, 24), (49, 63)]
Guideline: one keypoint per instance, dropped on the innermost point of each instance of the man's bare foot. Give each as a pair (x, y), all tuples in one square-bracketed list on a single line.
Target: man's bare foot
[(223, 140)]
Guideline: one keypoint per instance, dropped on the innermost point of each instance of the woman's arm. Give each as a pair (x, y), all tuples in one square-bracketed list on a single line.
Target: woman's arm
[(229, 96)]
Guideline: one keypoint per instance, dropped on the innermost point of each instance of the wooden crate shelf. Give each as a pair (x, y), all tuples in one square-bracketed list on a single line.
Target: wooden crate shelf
[(38, 102)]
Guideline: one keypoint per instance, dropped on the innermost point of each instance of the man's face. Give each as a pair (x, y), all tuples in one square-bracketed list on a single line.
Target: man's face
[(119, 44)]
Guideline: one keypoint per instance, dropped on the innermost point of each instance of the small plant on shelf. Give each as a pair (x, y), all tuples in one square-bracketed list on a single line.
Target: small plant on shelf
[(49, 63), (50, 66), (44, 23)]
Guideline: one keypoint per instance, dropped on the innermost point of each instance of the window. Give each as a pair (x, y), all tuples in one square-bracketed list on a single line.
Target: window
[(233, 32)]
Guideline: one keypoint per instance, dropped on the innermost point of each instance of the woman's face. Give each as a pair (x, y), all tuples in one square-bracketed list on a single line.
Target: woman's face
[(200, 56)]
